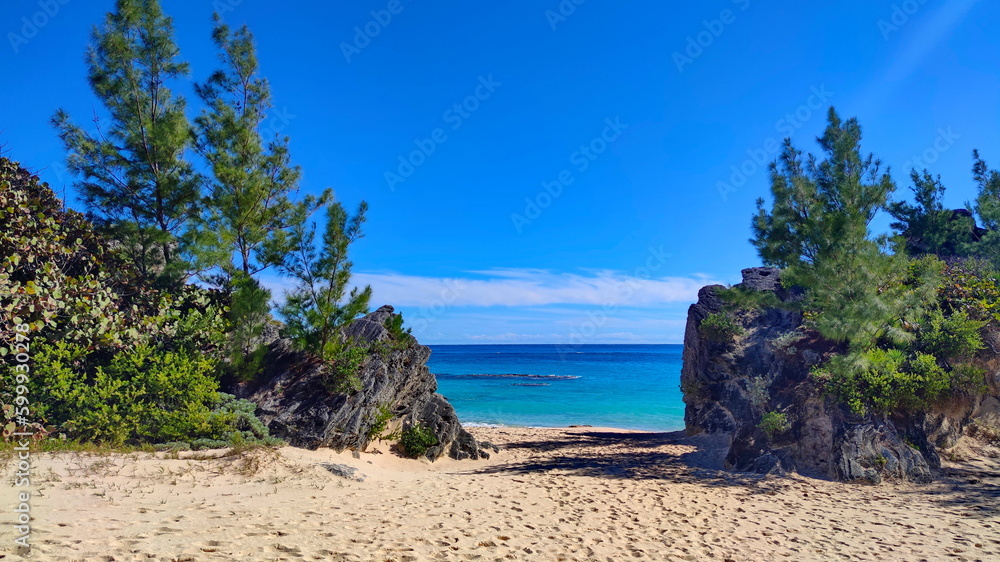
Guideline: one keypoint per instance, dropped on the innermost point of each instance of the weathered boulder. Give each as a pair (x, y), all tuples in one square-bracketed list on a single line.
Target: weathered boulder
[(730, 385), (296, 402)]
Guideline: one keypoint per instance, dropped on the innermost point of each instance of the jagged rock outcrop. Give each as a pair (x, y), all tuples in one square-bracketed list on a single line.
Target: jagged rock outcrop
[(296, 404), (730, 384)]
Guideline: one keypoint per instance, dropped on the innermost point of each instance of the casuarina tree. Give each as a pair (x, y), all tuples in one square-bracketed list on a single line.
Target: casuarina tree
[(136, 181)]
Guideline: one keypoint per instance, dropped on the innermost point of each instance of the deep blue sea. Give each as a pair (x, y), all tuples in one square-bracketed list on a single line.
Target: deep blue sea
[(622, 386)]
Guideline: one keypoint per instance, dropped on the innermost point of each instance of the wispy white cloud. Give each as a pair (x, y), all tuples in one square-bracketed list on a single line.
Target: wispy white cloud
[(530, 287), (533, 306)]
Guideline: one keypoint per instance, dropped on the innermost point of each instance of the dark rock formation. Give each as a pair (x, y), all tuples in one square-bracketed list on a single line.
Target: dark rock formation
[(729, 385), (296, 404), (344, 471)]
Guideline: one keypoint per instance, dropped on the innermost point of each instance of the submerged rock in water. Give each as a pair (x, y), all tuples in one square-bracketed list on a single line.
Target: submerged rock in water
[(296, 401)]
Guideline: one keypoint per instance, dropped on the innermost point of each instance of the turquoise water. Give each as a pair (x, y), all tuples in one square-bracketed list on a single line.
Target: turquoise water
[(623, 386)]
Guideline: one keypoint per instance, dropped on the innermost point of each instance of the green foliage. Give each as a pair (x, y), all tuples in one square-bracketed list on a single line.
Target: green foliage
[(113, 361), (720, 327), (953, 337), (136, 182), (144, 395), (343, 368), (880, 461), (972, 286), (416, 439), (693, 389), (987, 208), (241, 425), (885, 380), (248, 207), (394, 324), (773, 423), (738, 298), (786, 342), (319, 305), (249, 315), (381, 422), (969, 378), (821, 209), (818, 231), (903, 321), (758, 392), (141, 395), (928, 227)]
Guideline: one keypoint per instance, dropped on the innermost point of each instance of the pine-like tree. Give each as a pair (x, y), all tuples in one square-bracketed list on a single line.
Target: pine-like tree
[(248, 206), (927, 227), (136, 181), (818, 231), (320, 305), (821, 208), (987, 208)]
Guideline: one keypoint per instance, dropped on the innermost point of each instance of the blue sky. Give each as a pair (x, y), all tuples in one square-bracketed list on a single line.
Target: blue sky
[(555, 172)]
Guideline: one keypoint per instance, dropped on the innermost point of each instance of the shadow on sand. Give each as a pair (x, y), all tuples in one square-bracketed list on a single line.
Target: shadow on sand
[(670, 456)]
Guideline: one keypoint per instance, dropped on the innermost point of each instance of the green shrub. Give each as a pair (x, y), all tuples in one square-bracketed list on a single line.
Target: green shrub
[(720, 327), (343, 368), (954, 336), (785, 343), (885, 380), (758, 392), (739, 298), (971, 285), (382, 417), (416, 439), (881, 461), (143, 395), (969, 378), (773, 423), (394, 324), (249, 315)]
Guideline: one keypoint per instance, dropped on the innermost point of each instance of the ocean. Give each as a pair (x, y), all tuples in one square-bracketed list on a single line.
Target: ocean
[(621, 386)]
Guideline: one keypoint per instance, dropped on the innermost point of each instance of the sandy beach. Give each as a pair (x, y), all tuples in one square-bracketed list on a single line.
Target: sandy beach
[(549, 494)]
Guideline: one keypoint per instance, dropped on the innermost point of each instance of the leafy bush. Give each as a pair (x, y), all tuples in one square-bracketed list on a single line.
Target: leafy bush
[(773, 423), (401, 339), (758, 393), (343, 368), (139, 396), (249, 315), (954, 337), (382, 417), (739, 298), (971, 285), (885, 380), (786, 342), (720, 327), (416, 439)]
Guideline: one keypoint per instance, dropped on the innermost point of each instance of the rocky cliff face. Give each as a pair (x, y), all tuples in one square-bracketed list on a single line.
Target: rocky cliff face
[(296, 404), (731, 383)]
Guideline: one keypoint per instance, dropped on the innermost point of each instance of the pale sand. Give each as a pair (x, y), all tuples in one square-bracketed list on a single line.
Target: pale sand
[(552, 494)]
